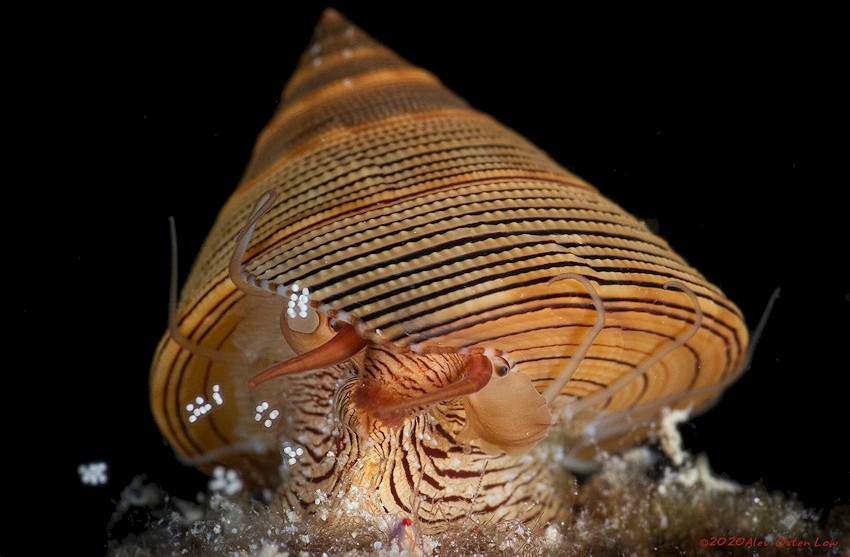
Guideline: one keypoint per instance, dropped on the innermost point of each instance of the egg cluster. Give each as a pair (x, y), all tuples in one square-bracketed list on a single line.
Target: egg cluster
[(200, 407), (298, 303), (261, 409)]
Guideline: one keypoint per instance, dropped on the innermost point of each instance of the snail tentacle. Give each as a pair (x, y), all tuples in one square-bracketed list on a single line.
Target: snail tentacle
[(174, 330), (243, 280), (575, 360), (592, 400), (615, 423), (342, 346)]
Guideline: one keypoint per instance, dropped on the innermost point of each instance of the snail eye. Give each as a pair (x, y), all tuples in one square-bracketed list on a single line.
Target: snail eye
[(306, 329), (500, 366), (334, 325), (304, 321)]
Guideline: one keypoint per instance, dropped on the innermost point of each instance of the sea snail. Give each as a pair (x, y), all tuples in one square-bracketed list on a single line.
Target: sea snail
[(406, 303)]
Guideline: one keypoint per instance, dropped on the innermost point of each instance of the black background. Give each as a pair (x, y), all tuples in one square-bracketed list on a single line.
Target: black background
[(724, 128)]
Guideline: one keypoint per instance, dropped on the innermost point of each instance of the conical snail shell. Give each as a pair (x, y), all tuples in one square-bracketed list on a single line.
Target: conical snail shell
[(433, 229)]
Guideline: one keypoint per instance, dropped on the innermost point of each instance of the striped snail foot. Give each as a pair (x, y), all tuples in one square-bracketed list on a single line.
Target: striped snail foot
[(419, 470)]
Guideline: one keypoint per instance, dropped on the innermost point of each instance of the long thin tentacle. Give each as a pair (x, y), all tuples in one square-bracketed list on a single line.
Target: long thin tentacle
[(243, 280), (615, 423), (755, 336), (644, 414), (575, 360), (174, 330), (608, 392)]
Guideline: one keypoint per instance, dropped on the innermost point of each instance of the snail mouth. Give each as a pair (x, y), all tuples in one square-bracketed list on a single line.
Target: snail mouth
[(504, 411), (475, 376), (341, 347)]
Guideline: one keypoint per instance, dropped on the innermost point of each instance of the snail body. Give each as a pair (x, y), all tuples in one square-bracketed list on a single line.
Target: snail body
[(410, 306)]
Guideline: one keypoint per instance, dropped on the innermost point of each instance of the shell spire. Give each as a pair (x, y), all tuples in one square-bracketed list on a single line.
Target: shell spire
[(344, 80), (338, 50)]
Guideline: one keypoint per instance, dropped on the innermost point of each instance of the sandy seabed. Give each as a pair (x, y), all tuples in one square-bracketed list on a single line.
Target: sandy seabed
[(637, 503)]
